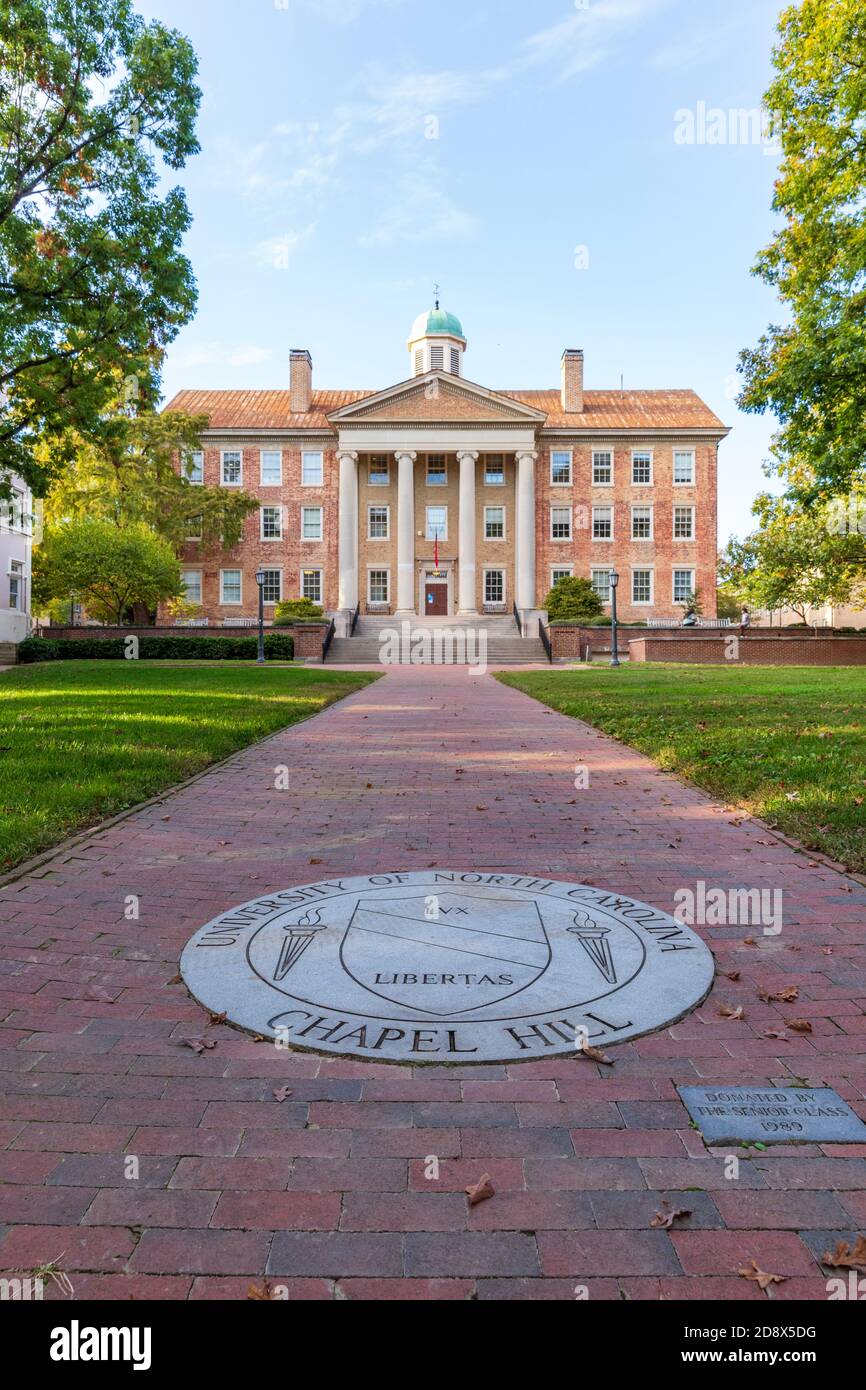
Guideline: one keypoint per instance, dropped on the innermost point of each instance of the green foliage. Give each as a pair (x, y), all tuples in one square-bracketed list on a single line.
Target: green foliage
[(297, 610), (572, 599), (729, 602), (106, 567), (95, 106), (810, 372), (278, 647)]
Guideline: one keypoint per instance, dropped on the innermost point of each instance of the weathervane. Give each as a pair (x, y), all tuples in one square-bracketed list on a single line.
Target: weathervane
[(436, 295)]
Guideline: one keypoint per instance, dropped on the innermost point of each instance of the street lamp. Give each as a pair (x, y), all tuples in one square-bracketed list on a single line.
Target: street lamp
[(614, 584), (260, 580)]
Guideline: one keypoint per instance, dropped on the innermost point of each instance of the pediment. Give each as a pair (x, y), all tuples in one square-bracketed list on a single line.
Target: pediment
[(438, 398)]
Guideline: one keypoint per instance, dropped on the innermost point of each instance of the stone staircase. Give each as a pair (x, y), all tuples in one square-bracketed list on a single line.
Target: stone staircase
[(451, 642), (8, 653)]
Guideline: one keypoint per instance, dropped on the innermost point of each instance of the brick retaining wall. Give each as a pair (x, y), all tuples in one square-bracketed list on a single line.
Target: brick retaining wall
[(751, 651)]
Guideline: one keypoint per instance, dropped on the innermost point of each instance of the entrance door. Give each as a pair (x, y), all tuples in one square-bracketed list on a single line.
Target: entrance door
[(436, 598)]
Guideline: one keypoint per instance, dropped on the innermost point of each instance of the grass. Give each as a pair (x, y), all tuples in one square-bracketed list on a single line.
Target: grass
[(84, 740), (787, 744)]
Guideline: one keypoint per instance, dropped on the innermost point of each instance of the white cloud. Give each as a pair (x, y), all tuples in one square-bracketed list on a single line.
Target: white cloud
[(421, 212), (277, 251), (583, 40)]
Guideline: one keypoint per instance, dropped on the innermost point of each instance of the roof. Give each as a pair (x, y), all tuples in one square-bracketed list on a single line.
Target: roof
[(434, 322), (603, 410)]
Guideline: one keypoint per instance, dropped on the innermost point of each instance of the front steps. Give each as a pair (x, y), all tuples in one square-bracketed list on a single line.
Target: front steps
[(8, 653), (448, 643)]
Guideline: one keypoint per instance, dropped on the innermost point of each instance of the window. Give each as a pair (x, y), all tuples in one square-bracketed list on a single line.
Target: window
[(194, 525), (272, 587), (194, 468), (232, 468), (437, 358), (311, 523), (560, 467), (642, 467), (311, 585), (602, 467), (419, 361), (191, 580), (684, 466), (272, 523), (16, 585), (312, 470), (494, 586), (641, 523), (494, 523), (379, 476), (602, 523), (684, 585), (437, 475), (230, 586), (437, 523), (378, 523), (455, 361), (600, 581), (560, 572), (641, 586), (378, 586), (494, 469), (684, 523), (560, 523), (271, 467)]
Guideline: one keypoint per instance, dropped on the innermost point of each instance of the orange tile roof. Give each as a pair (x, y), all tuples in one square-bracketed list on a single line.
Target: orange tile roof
[(604, 410)]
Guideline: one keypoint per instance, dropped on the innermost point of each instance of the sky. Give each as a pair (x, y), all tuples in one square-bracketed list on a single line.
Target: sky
[(559, 168)]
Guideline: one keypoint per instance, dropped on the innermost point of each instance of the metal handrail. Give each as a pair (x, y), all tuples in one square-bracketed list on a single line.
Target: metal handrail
[(355, 618), (543, 634), (326, 646), (516, 611)]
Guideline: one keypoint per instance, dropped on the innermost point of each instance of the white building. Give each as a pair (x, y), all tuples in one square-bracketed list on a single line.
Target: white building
[(16, 541)]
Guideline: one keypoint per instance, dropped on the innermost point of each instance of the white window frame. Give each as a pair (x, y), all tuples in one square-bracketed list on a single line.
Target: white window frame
[(494, 569), (651, 453), (183, 575), (693, 454), (567, 570), (643, 507), (270, 507), (231, 602), (603, 540), (378, 507), (444, 479), (682, 507), (569, 482), (198, 454), (313, 540), (644, 602), (496, 507), (317, 454), (603, 449), (312, 569), (499, 482), (562, 540), (443, 535), (681, 569), (378, 569), (273, 569), (376, 479), (223, 454), (601, 569), (262, 480)]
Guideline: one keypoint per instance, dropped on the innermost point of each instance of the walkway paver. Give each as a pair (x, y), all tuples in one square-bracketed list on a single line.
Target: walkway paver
[(330, 1193)]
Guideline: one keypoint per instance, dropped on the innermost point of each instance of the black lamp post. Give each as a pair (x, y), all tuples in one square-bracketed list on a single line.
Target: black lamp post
[(614, 583), (260, 580)]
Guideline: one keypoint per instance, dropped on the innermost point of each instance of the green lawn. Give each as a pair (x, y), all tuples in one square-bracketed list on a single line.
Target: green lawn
[(83, 740), (788, 744)]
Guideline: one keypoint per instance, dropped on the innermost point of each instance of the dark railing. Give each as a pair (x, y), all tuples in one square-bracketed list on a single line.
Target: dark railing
[(355, 618), (326, 646), (543, 634), (516, 612)]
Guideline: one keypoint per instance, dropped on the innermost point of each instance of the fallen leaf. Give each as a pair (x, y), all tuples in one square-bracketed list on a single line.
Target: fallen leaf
[(749, 941), (800, 1025), (199, 1045), (666, 1217), (480, 1191), (315, 861), (217, 1018), (594, 1054), (282, 1094), (728, 1011), (759, 1276), (782, 996), (847, 1256), (776, 1033), (176, 980), (261, 1292), (731, 974)]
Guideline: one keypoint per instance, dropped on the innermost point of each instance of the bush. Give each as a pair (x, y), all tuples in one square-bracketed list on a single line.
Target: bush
[(297, 610), (279, 646), (573, 599)]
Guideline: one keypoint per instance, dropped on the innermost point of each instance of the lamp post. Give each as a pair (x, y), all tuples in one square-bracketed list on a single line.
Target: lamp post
[(260, 580), (614, 584)]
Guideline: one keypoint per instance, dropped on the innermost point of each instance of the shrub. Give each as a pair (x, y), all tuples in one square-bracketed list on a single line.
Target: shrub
[(34, 649), (573, 599), (279, 646), (297, 610)]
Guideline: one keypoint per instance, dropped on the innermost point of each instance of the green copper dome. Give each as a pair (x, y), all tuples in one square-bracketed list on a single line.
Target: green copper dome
[(437, 322)]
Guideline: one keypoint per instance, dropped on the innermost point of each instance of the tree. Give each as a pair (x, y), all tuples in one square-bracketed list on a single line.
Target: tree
[(128, 474), (798, 558), (812, 371), (572, 600), (108, 568), (92, 278)]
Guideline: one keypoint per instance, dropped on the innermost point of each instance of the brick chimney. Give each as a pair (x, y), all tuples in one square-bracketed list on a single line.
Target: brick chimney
[(572, 381), (301, 378)]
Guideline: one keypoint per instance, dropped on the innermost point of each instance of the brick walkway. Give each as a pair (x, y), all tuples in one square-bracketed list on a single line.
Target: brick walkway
[(327, 1193)]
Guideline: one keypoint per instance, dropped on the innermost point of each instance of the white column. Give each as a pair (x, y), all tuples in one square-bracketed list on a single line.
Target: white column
[(348, 462), (405, 532), (468, 599), (525, 529)]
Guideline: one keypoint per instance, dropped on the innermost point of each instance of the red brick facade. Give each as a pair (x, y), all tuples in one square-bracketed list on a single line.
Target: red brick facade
[(733, 650)]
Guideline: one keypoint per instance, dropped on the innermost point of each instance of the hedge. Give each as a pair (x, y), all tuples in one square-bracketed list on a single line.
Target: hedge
[(278, 647)]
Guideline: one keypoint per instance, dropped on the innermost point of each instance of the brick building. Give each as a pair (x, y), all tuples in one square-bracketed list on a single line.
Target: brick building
[(441, 497)]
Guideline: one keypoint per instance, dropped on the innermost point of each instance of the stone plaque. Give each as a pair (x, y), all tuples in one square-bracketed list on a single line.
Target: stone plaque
[(772, 1115), (447, 966)]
